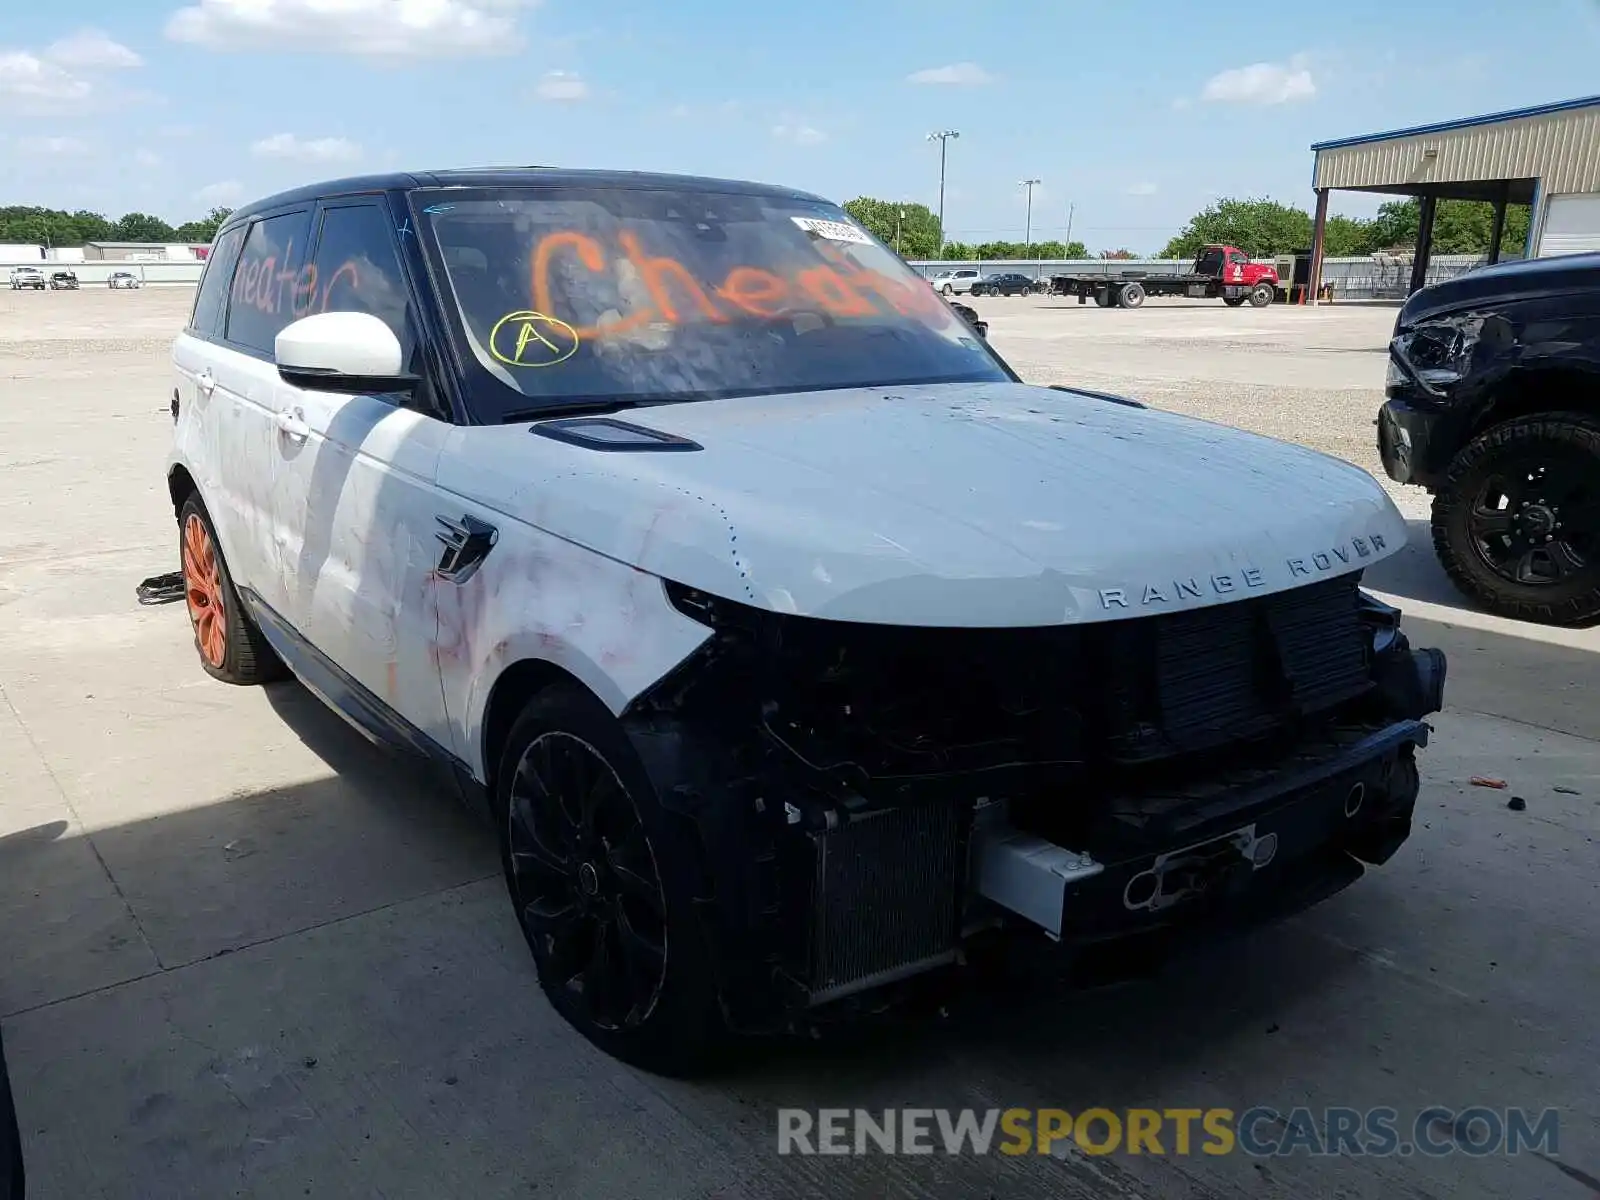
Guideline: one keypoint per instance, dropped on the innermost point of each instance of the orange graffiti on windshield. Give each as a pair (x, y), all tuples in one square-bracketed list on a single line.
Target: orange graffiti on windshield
[(837, 286)]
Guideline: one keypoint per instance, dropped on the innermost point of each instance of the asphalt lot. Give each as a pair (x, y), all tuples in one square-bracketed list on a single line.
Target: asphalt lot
[(246, 954)]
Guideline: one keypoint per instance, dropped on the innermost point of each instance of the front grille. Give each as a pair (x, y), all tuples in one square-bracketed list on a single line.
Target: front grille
[(885, 897), (1192, 681)]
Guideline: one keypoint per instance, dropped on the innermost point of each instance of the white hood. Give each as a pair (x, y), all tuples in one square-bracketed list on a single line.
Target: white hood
[(959, 505)]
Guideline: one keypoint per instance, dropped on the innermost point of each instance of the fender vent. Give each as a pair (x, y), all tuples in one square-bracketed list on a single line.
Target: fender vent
[(604, 433)]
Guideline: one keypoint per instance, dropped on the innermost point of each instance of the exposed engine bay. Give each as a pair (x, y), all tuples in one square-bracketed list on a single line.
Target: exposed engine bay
[(869, 797)]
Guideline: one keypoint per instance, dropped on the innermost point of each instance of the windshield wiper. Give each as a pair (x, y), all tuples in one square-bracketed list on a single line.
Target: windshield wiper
[(569, 408)]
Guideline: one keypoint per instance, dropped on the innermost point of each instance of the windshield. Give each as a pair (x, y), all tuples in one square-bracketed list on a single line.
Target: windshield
[(612, 295)]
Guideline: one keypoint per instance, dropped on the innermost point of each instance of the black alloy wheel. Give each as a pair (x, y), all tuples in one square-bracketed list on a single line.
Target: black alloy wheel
[(585, 881), (603, 882), (1517, 522)]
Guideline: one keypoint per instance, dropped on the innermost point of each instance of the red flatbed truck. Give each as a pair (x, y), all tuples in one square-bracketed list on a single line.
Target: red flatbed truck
[(1224, 272)]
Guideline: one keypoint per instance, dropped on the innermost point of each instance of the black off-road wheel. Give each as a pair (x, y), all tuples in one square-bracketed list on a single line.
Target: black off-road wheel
[(231, 646), (1516, 523), (1262, 295), (602, 881)]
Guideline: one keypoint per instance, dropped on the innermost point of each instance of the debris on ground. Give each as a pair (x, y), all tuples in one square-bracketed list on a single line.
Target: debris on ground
[(161, 589), (1485, 781), (1566, 791), (1516, 804)]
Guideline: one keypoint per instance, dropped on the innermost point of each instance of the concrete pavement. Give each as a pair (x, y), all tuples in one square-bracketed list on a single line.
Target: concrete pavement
[(249, 955)]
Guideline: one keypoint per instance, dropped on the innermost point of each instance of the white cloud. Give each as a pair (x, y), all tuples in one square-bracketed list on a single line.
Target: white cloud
[(799, 135), (962, 73), (91, 48), (56, 147), (228, 192), (52, 79), (376, 28), (28, 81), (1142, 189), (1262, 83), (562, 86), (315, 150)]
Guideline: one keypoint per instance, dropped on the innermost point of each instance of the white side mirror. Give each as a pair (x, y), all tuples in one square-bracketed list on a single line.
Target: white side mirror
[(341, 351)]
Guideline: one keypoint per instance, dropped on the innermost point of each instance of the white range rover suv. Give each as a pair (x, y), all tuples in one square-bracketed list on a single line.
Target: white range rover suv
[(793, 645)]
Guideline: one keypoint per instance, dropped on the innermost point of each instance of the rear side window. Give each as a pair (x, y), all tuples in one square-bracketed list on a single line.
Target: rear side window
[(266, 285), (206, 320), (357, 269)]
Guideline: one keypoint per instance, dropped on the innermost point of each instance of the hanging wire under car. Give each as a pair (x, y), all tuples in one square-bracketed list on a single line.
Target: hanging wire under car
[(161, 589)]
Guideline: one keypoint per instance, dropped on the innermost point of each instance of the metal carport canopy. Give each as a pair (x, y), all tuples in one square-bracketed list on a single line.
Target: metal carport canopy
[(1519, 157)]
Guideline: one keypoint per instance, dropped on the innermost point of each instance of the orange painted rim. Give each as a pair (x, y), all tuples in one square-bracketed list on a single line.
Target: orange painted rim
[(202, 585)]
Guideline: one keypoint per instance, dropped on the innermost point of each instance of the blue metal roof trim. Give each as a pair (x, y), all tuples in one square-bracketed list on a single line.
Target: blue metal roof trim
[(1538, 110)]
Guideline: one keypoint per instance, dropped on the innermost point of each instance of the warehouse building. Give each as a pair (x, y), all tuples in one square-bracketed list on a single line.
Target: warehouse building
[(1547, 157)]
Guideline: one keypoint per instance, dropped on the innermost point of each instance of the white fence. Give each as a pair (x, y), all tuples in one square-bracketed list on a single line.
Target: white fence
[(95, 274)]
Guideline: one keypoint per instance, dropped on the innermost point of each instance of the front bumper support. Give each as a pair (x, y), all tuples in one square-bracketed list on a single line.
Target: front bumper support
[(1248, 838)]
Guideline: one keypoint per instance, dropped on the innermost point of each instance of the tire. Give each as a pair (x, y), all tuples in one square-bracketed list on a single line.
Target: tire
[(1262, 295), (230, 645), (948, 290), (611, 869), (1233, 301), (1131, 295), (1499, 540)]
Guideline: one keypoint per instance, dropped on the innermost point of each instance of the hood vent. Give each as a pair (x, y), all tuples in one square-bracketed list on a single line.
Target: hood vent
[(604, 433)]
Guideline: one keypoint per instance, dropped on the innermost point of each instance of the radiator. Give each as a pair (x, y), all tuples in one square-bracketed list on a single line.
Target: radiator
[(885, 897)]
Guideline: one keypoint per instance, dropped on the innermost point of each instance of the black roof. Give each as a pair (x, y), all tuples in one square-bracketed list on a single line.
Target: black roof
[(491, 177)]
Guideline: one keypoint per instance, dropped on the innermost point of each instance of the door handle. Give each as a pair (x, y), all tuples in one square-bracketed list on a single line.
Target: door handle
[(292, 424), (205, 382)]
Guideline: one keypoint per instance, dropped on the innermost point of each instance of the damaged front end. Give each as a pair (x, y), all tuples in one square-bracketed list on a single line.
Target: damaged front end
[(870, 798)]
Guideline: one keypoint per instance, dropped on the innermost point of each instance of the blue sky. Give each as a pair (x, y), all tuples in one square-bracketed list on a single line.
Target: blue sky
[(1135, 113)]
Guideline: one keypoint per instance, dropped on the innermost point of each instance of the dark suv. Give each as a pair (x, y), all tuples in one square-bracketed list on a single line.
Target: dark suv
[(1494, 407)]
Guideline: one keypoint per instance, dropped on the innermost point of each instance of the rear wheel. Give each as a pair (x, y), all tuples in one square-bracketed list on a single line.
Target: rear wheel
[(1262, 295), (1131, 296), (602, 880), (1233, 301), (1516, 523), (230, 645), (948, 290)]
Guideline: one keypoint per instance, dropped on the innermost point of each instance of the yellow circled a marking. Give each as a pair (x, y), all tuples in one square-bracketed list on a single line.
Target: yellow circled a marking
[(527, 338)]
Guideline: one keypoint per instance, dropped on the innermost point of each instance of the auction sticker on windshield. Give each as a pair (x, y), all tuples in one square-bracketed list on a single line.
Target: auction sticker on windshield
[(833, 231)]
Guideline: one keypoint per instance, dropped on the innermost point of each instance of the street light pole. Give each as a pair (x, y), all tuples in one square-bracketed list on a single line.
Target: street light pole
[(1030, 184), (943, 138)]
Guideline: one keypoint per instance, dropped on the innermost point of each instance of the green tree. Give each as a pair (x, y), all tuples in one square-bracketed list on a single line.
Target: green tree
[(1259, 227), (1459, 226), (917, 230), (205, 229), (142, 227), (1345, 237)]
